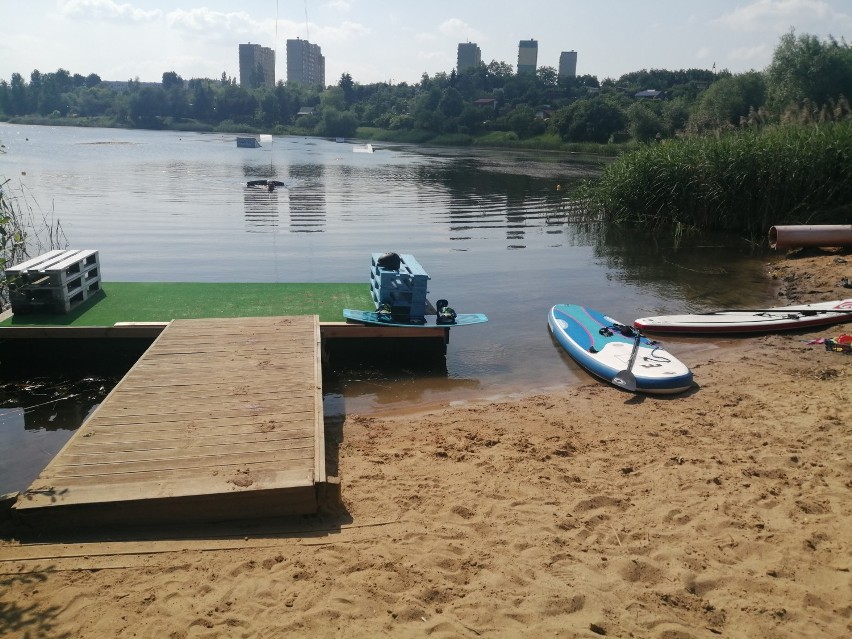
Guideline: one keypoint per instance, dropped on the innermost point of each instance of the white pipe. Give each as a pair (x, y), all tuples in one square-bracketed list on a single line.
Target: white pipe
[(804, 235)]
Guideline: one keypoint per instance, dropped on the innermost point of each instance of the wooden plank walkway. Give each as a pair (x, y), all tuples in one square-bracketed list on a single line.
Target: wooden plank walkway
[(220, 419)]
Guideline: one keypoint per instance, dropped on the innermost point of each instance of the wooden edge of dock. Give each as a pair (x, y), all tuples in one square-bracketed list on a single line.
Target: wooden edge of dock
[(327, 330)]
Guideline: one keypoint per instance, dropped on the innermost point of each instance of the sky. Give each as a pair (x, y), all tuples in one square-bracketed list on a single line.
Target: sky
[(400, 40)]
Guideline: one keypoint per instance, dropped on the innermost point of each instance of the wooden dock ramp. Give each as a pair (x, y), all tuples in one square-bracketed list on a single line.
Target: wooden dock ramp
[(220, 419)]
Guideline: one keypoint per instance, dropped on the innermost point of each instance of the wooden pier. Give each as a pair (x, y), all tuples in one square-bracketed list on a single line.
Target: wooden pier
[(220, 419)]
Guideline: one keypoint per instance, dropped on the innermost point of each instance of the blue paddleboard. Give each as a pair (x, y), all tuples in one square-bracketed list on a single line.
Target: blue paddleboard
[(371, 317), (604, 348)]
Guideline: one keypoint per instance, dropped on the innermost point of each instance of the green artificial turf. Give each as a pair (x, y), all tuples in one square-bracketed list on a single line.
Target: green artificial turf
[(165, 301)]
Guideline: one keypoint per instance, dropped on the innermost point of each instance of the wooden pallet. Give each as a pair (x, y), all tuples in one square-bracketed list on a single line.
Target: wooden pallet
[(54, 282)]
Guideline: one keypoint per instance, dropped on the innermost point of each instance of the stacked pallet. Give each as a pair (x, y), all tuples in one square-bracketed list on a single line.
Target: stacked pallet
[(403, 289), (54, 282)]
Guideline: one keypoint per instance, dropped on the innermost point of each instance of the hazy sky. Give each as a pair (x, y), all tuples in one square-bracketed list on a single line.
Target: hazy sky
[(397, 41)]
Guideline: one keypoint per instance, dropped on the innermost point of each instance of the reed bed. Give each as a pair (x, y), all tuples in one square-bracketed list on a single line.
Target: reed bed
[(742, 182), (25, 230)]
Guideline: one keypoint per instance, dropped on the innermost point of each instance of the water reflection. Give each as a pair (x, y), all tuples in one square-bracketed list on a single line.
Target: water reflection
[(54, 404), (261, 205), (307, 198), (65, 415), (691, 274), (301, 198), (36, 421), (472, 195), (262, 208), (482, 195)]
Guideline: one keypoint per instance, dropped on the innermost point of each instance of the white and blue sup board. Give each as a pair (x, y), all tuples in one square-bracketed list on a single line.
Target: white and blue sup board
[(603, 347)]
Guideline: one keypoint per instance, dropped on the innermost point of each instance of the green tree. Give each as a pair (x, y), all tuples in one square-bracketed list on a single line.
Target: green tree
[(451, 103), (5, 95), (805, 68), (235, 103), (383, 104), (663, 79), (643, 123), (336, 124), (674, 115), (472, 82), (34, 92), (93, 102), (54, 88), (522, 121), (727, 101), (348, 87), (119, 109), (288, 103), (425, 112), (547, 76), (521, 88), (470, 120), (202, 100), (578, 87), (500, 72), (147, 106), (333, 98), (594, 120), (172, 80)]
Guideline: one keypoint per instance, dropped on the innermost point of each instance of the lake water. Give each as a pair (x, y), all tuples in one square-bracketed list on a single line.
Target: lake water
[(494, 229)]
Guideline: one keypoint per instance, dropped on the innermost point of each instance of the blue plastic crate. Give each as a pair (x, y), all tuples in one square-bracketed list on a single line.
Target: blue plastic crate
[(403, 289)]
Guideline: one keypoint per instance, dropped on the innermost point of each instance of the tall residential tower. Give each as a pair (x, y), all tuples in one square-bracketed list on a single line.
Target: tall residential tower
[(257, 66), (568, 64), (469, 56), (527, 56), (305, 63)]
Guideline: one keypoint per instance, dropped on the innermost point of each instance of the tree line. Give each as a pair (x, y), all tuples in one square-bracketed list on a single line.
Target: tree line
[(807, 80)]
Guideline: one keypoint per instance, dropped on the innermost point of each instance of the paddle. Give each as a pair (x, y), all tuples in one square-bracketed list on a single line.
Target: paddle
[(625, 378)]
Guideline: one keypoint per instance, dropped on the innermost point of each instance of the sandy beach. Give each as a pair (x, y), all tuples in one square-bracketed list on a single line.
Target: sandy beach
[(584, 512)]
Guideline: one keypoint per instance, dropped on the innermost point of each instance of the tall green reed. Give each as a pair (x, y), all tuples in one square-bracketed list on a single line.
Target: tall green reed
[(741, 182), (24, 231)]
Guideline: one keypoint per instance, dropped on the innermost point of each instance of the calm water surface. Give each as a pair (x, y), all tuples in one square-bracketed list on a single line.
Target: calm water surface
[(492, 229)]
